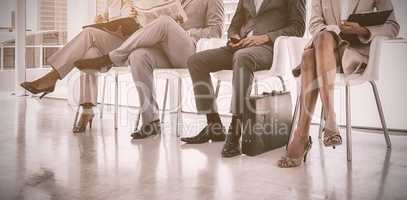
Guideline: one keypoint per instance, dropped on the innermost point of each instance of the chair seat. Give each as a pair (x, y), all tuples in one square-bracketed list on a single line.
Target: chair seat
[(120, 70), (171, 73), (227, 75)]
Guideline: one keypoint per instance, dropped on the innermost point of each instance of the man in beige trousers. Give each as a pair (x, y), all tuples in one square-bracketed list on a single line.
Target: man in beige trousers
[(162, 43)]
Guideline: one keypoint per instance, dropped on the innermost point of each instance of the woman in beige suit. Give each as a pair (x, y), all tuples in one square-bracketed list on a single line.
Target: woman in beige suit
[(91, 42), (327, 50)]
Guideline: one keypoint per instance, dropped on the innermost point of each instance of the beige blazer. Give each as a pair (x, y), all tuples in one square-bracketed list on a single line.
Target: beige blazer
[(205, 18), (327, 12)]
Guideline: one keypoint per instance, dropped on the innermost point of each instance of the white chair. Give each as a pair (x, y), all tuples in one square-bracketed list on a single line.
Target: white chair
[(371, 75), (159, 73)]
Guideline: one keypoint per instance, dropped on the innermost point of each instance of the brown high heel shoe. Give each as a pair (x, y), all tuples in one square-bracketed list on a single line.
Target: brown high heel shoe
[(85, 119), (33, 88), (332, 139), (45, 84), (287, 162)]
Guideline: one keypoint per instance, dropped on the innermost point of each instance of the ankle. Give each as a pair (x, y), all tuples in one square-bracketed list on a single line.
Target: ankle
[(213, 118), (87, 109)]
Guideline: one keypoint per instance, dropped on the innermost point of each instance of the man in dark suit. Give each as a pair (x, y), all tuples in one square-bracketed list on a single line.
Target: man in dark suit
[(254, 28)]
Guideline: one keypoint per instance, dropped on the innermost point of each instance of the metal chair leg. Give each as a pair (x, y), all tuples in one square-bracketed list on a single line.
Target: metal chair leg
[(294, 119), (179, 106), (165, 101), (321, 123), (137, 121), (116, 101), (283, 85), (76, 115), (381, 113), (217, 88), (102, 107), (348, 125), (256, 87)]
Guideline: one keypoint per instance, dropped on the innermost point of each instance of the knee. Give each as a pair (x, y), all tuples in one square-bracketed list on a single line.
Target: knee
[(323, 40), (308, 59), (164, 19), (88, 30), (243, 59)]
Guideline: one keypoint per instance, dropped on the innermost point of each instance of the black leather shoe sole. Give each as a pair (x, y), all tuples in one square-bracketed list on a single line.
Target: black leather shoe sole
[(195, 141), (231, 153)]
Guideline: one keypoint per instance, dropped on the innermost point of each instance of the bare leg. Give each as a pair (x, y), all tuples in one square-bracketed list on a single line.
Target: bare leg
[(325, 45), (308, 96)]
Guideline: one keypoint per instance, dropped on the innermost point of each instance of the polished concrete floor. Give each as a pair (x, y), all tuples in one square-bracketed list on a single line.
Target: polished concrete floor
[(41, 159)]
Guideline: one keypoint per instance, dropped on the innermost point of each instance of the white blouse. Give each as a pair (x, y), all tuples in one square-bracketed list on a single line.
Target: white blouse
[(345, 9)]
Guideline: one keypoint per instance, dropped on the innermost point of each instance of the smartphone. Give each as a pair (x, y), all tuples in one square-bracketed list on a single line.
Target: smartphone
[(234, 40)]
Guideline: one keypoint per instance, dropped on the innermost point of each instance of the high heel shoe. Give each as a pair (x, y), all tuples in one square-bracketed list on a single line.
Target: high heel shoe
[(83, 123), (333, 139), (287, 162), (33, 88)]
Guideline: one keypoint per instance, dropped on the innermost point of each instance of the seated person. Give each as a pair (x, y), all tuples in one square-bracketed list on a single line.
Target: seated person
[(253, 30), (164, 42), (90, 42), (327, 54)]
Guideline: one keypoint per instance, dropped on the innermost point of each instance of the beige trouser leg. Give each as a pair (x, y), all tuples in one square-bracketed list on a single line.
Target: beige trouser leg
[(91, 42), (163, 33), (142, 63), (162, 43)]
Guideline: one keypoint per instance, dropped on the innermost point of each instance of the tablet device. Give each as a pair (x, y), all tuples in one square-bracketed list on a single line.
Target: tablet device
[(371, 18)]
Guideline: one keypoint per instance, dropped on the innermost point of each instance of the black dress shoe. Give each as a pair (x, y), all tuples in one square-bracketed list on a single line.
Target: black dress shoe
[(232, 145), (147, 130), (214, 132)]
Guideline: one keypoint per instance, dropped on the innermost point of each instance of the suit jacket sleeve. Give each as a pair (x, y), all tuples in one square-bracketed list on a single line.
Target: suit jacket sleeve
[(296, 21), (317, 21), (239, 18), (214, 21), (390, 29)]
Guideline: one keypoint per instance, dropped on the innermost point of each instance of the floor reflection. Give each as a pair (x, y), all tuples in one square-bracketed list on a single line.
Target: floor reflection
[(42, 159)]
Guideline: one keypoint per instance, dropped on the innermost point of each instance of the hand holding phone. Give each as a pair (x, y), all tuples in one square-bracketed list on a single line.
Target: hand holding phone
[(233, 41)]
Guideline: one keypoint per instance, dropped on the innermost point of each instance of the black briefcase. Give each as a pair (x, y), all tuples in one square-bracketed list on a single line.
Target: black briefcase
[(267, 122)]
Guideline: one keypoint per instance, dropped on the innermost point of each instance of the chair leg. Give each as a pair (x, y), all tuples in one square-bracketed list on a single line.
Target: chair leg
[(165, 101), (179, 106), (256, 87), (282, 83), (217, 88), (102, 107), (137, 121), (76, 115), (381, 113), (116, 100), (294, 119), (321, 123), (348, 125)]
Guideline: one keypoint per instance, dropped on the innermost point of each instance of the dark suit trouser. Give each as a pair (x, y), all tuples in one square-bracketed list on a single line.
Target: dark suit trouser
[(243, 62)]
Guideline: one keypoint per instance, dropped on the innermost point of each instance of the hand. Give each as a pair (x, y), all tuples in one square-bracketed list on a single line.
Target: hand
[(354, 28), (133, 12), (99, 19), (233, 38), (254, 40), (179, 19)]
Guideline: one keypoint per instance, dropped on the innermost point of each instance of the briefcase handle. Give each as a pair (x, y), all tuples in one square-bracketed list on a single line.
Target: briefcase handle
[(274, 92)]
